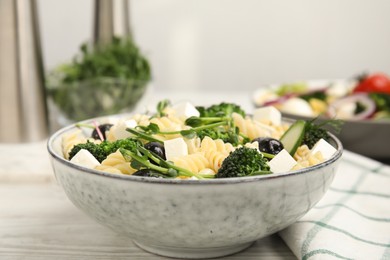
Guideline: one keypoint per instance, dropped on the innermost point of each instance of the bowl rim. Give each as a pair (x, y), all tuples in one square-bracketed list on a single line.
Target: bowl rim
[(385, 123), (125, 177)]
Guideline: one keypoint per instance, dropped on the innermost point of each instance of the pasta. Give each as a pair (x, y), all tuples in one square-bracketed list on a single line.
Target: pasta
[(70, 140), (249, 127), (115, 163), (168, 124), (195, 162), (196, 148), (305, 158), (215, 151), (193, 144)]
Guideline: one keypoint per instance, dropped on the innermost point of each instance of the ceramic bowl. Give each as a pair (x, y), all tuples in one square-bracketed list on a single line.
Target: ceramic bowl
[(193, 218)]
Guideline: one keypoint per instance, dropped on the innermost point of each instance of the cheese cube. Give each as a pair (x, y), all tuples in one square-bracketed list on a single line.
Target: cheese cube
[(282, 162), (119, 130), (175, 148), (268, 113), (185, 110), (85, 158), (326, 149)]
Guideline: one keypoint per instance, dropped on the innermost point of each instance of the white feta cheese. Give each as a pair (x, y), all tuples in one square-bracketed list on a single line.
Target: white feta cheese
[(326, 149), (268, 113), (282, 162), (85, 158), (185, 109), (119, 130), (175, 148)]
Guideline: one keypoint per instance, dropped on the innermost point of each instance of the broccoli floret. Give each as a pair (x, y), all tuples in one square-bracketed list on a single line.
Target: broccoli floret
[(102, 150), (96, 150), (242, 162), (128, 144), (314, 132), (221, 110), (227, 136)]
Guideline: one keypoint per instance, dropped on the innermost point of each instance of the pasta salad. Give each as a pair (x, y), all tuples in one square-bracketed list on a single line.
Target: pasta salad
[(192, 142)]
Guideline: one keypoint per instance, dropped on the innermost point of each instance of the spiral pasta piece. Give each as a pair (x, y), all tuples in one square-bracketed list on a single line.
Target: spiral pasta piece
[(305, 158), (168, 124), (141, 119), (195, 162), (218, 145), (279, 130), (116, 163), (215, 151), (216, 159), (193, 144), (71, 139), (249, 127)]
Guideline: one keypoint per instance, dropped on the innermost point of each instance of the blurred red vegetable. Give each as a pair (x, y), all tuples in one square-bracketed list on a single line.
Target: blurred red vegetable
[(377, 82)]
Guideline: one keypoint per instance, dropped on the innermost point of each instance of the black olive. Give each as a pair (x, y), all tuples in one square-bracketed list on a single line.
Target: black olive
[(103, 128), (269, 145), (157, 148), (147, 173)]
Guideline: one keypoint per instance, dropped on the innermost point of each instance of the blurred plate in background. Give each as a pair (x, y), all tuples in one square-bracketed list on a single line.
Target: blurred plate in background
[(366, 132)]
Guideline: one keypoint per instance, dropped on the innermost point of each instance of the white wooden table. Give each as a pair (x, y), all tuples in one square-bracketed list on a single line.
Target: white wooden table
[(37, 221)]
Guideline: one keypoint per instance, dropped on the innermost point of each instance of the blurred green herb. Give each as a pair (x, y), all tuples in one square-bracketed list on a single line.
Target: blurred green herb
[(120, 59), (100, 80)]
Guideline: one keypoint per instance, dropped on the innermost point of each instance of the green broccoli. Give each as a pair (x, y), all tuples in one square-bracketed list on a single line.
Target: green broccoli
[(314, 132), (221, 110), (242, 162), (95, 149), (102, 150), (226, 135)]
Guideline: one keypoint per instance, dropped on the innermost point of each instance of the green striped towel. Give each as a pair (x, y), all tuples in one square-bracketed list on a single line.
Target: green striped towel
[(352, 220)]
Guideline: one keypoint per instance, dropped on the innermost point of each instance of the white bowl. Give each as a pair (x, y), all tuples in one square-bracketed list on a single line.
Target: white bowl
[(193, 218)]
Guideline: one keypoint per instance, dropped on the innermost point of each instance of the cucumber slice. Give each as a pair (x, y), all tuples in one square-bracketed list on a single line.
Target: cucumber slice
[(292, 138)]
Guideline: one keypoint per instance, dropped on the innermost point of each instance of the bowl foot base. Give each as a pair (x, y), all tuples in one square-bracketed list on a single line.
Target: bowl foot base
[(193, 253)]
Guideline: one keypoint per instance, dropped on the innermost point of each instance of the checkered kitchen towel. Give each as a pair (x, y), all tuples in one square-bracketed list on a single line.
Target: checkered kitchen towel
[(352, 221)]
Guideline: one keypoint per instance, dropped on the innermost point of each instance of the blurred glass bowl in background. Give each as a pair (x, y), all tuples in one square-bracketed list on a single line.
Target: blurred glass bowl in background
[(101, 79), (76, 101)]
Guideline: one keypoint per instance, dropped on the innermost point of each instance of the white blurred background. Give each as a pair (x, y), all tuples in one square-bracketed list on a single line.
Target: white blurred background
[(233, 44)]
